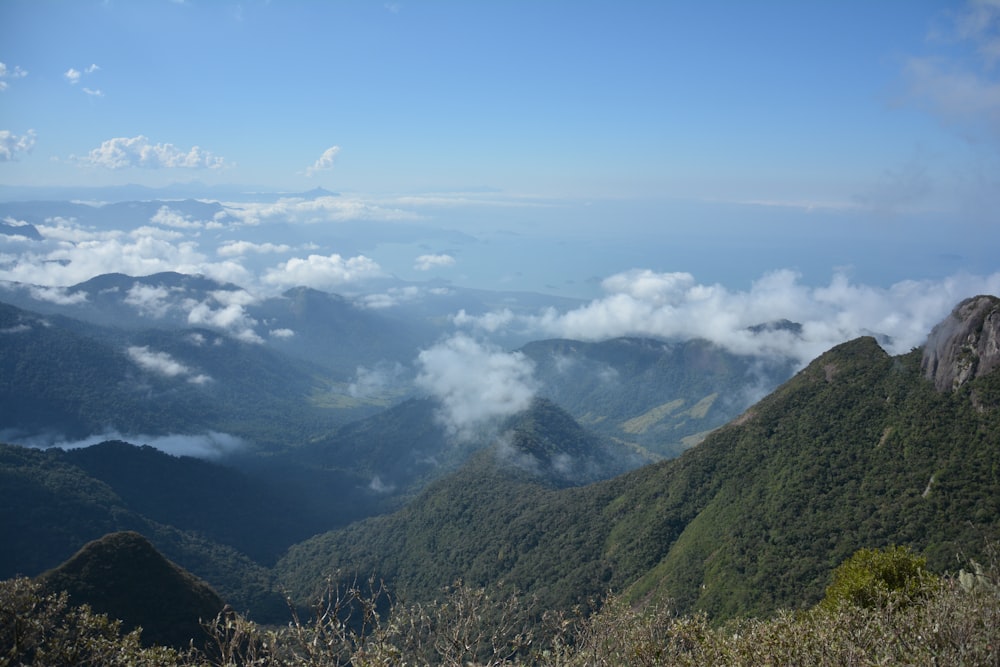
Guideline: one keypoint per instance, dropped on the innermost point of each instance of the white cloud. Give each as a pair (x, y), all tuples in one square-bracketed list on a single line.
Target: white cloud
[(281, 333), (428, 262), (70, 254), (475, 383), (163, 364), (675, 305), (325, 161), (210, 445), (230, 317), (240, 248), (492, 322), (392, 297), (58, 295), (321, 272), (139, 152), (7, 73), (151, 300), (318, 210), (12, 145), (168, 217), (73, 76)]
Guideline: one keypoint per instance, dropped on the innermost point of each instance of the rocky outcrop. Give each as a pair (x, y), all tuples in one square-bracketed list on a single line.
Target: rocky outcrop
[(966, 345)]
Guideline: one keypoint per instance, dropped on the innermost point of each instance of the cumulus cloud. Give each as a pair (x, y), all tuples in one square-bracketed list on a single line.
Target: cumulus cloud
[(676, 305), (226, 310), (475, 383), (73, 75), (163, 364), (428, 262), (139, 152), (321, 272), (325, 161), (13, 145)]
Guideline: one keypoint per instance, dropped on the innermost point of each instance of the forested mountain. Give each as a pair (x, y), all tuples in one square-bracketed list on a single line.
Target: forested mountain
[(858, 449), (663, 395)]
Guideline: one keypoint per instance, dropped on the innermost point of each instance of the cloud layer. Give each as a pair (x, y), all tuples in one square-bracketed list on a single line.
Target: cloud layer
[(475, 382), (675, 305)]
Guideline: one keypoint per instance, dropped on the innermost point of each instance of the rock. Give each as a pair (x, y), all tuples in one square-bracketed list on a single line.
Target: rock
[(964, 346)]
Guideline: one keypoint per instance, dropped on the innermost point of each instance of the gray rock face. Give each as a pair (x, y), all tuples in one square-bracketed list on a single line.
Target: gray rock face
[(965, 345)]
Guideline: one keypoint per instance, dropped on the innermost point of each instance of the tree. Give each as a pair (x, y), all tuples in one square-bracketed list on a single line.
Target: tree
[(873, 578)]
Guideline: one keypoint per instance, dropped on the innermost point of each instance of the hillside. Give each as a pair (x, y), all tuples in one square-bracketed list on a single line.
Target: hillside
[(50, 507), (858, 449), (65, 379), (122, 575)]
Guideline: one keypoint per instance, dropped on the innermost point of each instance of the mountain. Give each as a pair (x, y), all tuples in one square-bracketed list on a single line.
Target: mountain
[(664, 396), (471, 524), (859, 449), (966, 345), (10, 227), (66, 379), (50, 506), (124, 576), (218, 502)]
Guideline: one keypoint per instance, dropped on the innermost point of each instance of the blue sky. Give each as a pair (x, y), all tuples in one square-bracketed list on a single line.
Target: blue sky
[(587, 149), (811, 103)]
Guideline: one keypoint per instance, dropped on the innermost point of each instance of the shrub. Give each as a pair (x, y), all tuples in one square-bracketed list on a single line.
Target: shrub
[(874, 578)]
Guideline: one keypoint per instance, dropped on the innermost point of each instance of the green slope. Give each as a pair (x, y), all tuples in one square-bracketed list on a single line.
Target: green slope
[(50, 508), (122, 575), (856, 450)]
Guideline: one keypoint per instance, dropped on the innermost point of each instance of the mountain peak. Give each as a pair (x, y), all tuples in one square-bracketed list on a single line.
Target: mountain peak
[(124, 576), (965, 345)]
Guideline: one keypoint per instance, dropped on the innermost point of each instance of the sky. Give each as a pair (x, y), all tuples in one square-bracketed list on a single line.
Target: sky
[(826, 160), (813, 104)]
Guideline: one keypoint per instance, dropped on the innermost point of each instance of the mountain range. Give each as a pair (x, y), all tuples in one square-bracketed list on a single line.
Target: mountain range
[(858, 449), (662, 469)]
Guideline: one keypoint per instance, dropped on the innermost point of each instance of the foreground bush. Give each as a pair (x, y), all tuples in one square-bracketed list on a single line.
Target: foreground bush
[(955, 622)]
